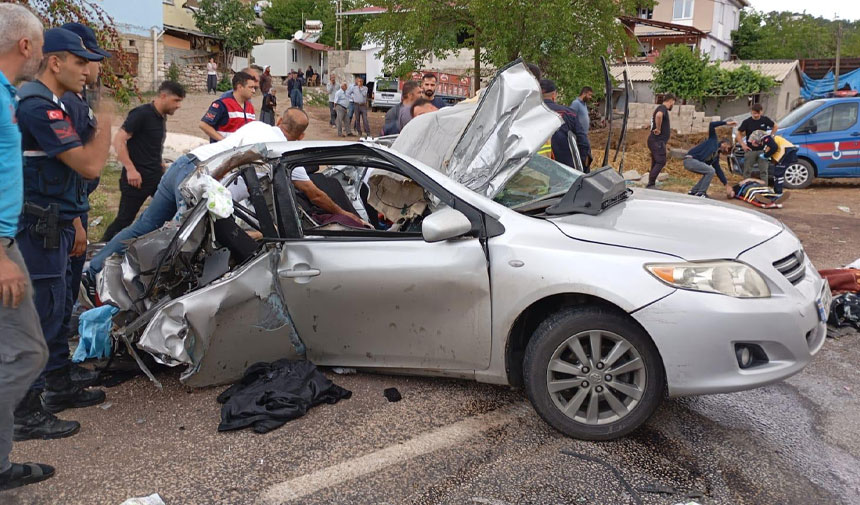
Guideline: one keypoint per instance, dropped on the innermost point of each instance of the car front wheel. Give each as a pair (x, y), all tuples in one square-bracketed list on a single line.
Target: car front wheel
[(593, 374), (799, 175)]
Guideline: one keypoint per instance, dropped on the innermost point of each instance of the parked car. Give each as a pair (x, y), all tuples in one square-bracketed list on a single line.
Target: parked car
[(386, 95), (827, 133), (499, 265)]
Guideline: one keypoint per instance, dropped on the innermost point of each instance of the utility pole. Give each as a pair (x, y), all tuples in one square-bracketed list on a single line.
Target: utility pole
[(838, 48), (338, 26)]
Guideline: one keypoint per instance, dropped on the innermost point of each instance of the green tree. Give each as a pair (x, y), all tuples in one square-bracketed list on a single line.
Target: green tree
[(685, 73), (564, 38), (117, 74), (230, 20), (787, 35)]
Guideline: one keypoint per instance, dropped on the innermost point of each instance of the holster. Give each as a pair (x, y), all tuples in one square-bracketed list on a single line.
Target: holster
[(46, 224)]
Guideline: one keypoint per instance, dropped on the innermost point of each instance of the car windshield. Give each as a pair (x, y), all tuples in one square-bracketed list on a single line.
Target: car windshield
[(386, 85), (538, 178), (799, 113)]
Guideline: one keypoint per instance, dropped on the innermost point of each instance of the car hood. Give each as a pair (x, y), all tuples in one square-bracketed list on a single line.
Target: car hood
[(680, 225), (483, 145)]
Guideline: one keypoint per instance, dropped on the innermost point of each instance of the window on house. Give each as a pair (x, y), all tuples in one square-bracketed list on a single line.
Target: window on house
[(295, 55), (683, 9), (645, 13)]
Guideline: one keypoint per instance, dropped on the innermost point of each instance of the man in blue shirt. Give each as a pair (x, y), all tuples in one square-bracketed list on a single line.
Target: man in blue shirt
[(57, 167), (570, 124), (21, 342), (704, 159), (580, 107)]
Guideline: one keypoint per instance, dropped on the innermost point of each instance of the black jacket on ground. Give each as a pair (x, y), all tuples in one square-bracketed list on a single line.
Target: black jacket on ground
[(270, 394)]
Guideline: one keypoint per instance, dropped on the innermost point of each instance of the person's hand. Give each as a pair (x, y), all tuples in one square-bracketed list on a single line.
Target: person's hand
[(746, 147), (80, 246), (133, 177), (655, 131), (730, 193), (731, 123), (105, 114), (13, 283)]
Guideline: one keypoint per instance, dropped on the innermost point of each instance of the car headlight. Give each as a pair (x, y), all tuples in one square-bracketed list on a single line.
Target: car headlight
[(729, 278)]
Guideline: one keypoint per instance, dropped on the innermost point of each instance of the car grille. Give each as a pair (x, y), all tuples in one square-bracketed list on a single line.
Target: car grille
[(792, 267)]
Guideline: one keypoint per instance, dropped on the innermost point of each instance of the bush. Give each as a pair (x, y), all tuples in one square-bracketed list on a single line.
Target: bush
[(225, 84), (173, 72)]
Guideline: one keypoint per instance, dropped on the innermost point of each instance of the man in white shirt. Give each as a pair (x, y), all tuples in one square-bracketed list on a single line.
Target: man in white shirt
[(341, 103), (332, 88), (358, 95), (168, 200)]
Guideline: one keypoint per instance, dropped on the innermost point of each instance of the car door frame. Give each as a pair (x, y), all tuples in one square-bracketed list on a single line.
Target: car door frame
[(483, 228)]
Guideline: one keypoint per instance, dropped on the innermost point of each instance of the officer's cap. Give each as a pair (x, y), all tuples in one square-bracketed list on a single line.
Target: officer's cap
[(59, 40), (88, 36)]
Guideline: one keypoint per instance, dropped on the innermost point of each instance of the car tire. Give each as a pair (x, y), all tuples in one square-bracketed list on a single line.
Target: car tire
[(799, 175), (552, 358)]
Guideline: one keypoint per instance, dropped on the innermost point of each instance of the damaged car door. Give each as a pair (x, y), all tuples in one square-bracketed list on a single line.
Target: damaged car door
[(390, 299)]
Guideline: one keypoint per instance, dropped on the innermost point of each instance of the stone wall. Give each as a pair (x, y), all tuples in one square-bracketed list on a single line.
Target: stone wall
[(192, 76), (683, 118), (143, 47)]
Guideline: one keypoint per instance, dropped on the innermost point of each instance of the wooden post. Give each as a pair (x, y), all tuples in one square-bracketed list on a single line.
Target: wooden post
[(838, 49)]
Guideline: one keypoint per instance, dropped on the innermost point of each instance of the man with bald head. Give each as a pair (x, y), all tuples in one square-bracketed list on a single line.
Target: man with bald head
[(22, 344)]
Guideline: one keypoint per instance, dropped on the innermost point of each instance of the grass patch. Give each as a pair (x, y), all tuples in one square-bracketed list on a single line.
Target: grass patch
[(104, 201)]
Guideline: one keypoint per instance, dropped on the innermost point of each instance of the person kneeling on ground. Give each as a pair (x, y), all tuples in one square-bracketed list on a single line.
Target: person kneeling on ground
[(779, 151), (704, 159), (168, 201)]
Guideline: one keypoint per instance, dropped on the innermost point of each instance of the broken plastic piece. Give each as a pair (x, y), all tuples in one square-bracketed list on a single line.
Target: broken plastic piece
[(152, 499), (392, 395)]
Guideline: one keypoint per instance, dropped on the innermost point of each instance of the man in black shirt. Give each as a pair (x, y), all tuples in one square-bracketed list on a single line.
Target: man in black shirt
[(659, 137), (139, 144), (756, 121)]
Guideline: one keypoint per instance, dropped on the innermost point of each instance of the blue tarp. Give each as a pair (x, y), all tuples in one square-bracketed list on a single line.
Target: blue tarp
[(817, 88)]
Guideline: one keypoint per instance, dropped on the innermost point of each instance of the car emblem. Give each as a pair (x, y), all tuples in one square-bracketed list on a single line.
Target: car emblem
[(837, 154)]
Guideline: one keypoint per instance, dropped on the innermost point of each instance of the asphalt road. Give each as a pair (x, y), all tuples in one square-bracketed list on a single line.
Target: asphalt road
[(456, 442)]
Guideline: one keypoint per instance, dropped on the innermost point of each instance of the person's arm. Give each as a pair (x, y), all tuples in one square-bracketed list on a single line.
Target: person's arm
[(210, 132), (80, 245), (658, 123), (740, 137), (89, 160), (320, 199), (120, 145), (13, 282), (774, 128), (712, 128)]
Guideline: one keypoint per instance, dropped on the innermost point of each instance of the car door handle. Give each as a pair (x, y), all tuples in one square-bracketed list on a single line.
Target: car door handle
[(294, 274), (855, 134)]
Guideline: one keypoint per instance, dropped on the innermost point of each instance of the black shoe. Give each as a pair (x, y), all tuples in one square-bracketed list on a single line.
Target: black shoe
[(651, 186), (32, 422), (83, 377), (61, 393), (88, 292), (71, 398)]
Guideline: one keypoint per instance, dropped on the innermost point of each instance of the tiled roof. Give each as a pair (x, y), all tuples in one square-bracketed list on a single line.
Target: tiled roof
[(779, 70), (313, 45)]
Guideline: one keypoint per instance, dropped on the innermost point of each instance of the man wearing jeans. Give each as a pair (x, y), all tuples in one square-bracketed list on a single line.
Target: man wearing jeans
[(358, 95), (704, 159), (332, 89)]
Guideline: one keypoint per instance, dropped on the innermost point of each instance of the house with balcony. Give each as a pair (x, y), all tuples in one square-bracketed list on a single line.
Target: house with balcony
[(703, 25)]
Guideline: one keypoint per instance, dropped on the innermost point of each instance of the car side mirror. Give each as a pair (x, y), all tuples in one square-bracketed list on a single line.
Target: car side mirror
[(445, 224)]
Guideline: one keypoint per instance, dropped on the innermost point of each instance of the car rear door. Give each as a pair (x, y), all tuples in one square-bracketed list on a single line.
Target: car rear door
[(832, 136)]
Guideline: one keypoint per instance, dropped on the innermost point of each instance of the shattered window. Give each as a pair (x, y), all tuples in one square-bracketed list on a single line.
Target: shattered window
[(540, 177)]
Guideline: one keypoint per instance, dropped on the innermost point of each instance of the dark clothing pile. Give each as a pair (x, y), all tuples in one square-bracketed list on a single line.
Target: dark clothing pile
[(270, 394), (560, 144)]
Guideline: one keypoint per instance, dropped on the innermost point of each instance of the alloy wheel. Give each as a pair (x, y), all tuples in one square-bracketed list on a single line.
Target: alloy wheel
[(596, 377), (796, 174)]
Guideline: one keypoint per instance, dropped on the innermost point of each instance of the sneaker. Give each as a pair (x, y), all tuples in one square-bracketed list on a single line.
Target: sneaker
[(88, 294), (32, 422), (781, 197), (83, 377)]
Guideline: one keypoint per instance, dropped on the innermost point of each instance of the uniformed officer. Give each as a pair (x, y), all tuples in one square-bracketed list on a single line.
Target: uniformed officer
[(559, 140), (57, 166), (84, 121)]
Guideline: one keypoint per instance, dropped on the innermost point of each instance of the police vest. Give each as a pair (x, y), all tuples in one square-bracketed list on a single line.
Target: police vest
[(237, 116), (48, 180)]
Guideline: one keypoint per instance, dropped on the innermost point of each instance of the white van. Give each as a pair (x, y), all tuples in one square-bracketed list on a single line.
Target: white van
[(386, 94)]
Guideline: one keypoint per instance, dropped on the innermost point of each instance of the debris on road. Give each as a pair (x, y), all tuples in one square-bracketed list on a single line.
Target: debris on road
[(95, 222), (844, 209), (94, 328), (845, 311), (392, 395), (343, 371), (153, 499), (105, 406), (270, 394)]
